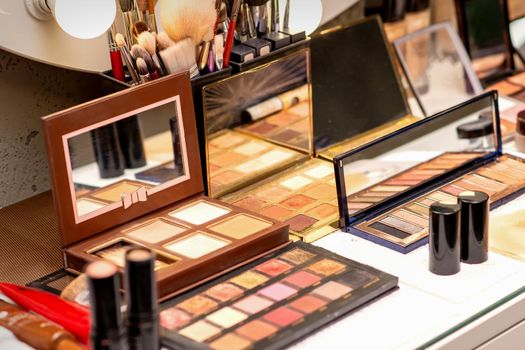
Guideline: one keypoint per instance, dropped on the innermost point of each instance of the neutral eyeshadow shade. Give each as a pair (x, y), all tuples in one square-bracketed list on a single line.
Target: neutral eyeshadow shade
[(383, 188), (230, 342), (332, 290), (326, 267), (156, 231), (196, 245), (200, 331), (251, 148), (297, 202), (224, 159), (224, 292), (419, 209), (199, 213), (249, 279), (300, 222), (278, 291), (240, 226), (173, 318), (308, 304), (296, 182), (226, 141), (226, 317), (408, 216), (273, 194), (198, 305), (253, 304), (321, 190), (320, 171), (266, 160), (226, 177), (273, 267), (297, 256), (440, 196), (283, 316), (323, 211), (276, 212), (86, 206), (401, 224), (257, 330), (251, 203), (114, 193)]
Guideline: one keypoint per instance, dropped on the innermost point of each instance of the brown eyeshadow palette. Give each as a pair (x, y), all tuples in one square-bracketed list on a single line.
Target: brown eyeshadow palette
[(305, 198), (290, 127), (236, 160), (188, 238), (272, 302), (408, 223), (402, 182)]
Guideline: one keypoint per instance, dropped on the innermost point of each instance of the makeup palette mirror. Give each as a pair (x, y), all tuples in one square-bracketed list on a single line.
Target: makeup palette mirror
[(517, 35), (483, 26), (437, 67), (126, 159)]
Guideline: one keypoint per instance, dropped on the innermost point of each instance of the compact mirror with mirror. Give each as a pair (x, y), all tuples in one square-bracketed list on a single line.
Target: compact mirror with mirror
[(437, 67), (126, 159)]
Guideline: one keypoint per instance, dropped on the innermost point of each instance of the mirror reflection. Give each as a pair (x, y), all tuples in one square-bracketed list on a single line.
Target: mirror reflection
[(419, 155), (438, 68), (517, 35), (126, 160)]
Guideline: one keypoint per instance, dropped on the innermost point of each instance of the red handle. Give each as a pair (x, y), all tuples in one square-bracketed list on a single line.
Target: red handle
[(229, 43), (117, 67)]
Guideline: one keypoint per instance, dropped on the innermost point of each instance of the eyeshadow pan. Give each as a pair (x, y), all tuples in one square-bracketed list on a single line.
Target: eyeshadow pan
[(357, 205), (357, 278), (302, 109), (276, 212), (257, 330), (273, 194), (250, 148), (249, 279), (86, 206), (226, 317), (518, 79), (497, 176), (408, 216), (300, 222), (173, 318), (326, 267), (196, 245), (273, 267), (156, 231), (199, 213), (321, 190), (197, 305), (443, 197), (253, 304), (250, 203), (200, 331), (114, 193), (319, 171), (261, 128), (467, 185), (264, 161), (383, 188), (302, 279), (332, 290), (240, 226), (297, 202), (230, 342), (323, 211), (224, 292), (296, 182), (506, 88), (481, 180), (286, 136), (308, 304), (224, 159), (390, 230), (283, 118), (283, 316), (227, 140), (402, 225), (226, 177), (419, 209), (278, 292), (297, 256), (426, 201), (455, 191)]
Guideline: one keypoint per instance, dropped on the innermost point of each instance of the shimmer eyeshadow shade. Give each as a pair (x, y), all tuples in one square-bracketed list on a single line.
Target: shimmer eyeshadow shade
[(296, 182), (156, 231), (271, 302), (86, 206), (199, 213), (240, 226), (114, 193), (196, 245)]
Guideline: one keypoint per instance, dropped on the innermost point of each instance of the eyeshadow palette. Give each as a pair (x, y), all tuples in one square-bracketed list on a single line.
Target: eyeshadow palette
[(394, 210), (513, 86), (159, 204), (273, 302), (236, 160)]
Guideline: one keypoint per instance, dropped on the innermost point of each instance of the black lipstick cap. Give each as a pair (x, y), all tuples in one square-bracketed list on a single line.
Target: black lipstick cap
[(474, 226), (444, 238), (108, 153)]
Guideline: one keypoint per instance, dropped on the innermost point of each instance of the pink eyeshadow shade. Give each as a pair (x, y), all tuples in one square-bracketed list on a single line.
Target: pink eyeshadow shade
[(173, 318), (283, 316), (278, 292), (253, 304), (273, 267), (224, 292), (302, 279), (308, 304), (250, 203)]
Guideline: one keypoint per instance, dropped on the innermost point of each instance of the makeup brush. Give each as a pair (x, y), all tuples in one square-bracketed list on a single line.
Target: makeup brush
[(205, 50), (180, 56), (152, 21), (126, 56), (138, 28), (142, 68), (117, 67), (218, 48), (183, 19), (126, 6), (262, 19), (147, 41), (142, 8), (286, 20), (274, 6), (137, 52), (231, 32), (164, 41), (248, 18)]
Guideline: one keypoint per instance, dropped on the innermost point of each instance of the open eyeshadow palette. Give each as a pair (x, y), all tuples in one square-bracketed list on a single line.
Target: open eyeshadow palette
[(273, 302), (196, 238), (513, 86), (394, 211)]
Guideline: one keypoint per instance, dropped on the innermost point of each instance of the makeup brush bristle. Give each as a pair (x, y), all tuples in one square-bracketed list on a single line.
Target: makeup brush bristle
[(151, 6), (147, 41), (142, 5), (180, 56), (142, 66), (138, 51), (255, 2), (119, 39), (139, 27), (164, 41), (126, 5), (187, 18)]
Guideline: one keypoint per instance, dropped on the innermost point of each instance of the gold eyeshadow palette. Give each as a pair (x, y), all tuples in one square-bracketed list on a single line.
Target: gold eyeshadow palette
[(159, 204), (439, 166), (272, 302)]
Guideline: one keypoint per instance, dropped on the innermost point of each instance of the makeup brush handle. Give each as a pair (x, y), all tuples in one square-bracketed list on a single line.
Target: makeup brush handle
[(127, 18), (126, 56), (117, 67), (203, 55), (229, 42)]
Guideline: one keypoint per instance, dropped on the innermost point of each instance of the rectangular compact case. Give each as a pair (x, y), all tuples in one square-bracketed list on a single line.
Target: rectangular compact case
[(419, 165), (126, 171)]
